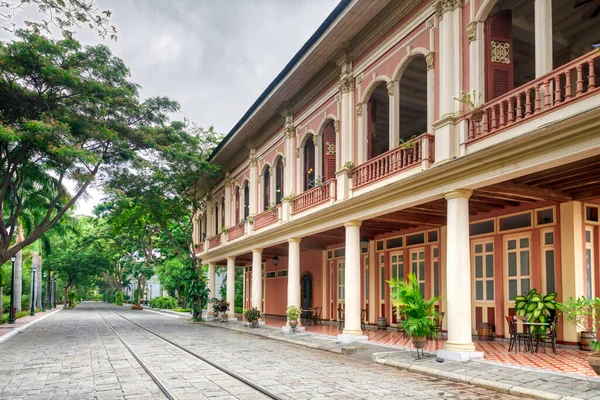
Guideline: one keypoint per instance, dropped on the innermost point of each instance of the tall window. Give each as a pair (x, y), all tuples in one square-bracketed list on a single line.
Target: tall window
[(267, 188), (417, 266), (518, 266), (329, 151), (279, 181), (589, 261), (548, 259), (341, 280), (217, 219), (223, 213), (309, 163), (237, 205), (484, 271), (205, 229), (246, 200)]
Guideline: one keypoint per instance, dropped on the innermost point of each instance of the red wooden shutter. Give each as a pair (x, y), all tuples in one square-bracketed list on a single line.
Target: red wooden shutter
[(372, 129), (237, 205), (499, 60), (329, 152)]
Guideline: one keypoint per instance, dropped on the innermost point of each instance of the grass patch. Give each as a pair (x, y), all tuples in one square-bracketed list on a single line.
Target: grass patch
[(179, 309)]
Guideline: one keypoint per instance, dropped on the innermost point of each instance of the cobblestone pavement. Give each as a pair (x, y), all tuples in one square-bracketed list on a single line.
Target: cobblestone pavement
[(74, 354)]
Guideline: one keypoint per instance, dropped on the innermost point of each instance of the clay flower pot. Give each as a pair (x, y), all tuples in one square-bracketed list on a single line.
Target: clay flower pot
[(293, 323), (419, 341), (477, 115), (594, 360)]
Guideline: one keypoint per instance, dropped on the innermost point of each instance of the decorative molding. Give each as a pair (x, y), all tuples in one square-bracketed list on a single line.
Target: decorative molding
[(359, 109), (317, 83), (390, 88), (330, 148), (297, 152), (444, 6), (253, 161), (290, 132), (336, 126), (346, 84), (472, 31), (227, 181), (316, 140), (283, 161), (500, 52), (430, 60)]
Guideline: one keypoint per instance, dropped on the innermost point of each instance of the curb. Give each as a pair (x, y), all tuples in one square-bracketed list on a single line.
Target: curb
[(514, 390), (12, 333)]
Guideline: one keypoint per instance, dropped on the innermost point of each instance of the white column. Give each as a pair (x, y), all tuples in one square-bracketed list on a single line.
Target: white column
[(211, 285), (361, 152), (231, 287), (257, 279), (293, 288), (352, 330), (346, 123), (459, 346), (393, 88), (543, 37)]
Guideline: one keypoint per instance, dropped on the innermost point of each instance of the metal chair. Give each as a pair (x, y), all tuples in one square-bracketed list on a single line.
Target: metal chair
[(438, 326), (363, 319), (516, 337), (340, 318), (549, 337), (317, 316)]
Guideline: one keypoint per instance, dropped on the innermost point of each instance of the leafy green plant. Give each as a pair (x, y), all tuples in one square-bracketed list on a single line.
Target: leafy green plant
[(421, 314), (292, 312), (582, 312), (179, 309), (238, 310), (71, 296), (119, 298), (348, 165), (536, 308), (595, 346), (164, 303), (472, 100), (252, 314), (408, 144)]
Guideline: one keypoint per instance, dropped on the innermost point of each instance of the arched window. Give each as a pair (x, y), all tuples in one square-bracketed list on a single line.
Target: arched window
[(217, 219), (413, 99), (267, 188), (329, 151), (237, 204), (246, 200), (378, 123), (223, 213), (279, 181), (205, 226), (309, 163)]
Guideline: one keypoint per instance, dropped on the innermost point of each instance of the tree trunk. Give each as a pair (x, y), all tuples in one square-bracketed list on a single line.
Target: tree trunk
[(18, 280), (139, 290), (38, 283)]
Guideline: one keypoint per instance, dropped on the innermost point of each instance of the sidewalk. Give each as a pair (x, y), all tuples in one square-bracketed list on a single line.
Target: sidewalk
[(9, 330), (504, 378)]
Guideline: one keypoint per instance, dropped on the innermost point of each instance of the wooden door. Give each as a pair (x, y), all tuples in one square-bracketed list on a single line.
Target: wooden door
[(499, 60)]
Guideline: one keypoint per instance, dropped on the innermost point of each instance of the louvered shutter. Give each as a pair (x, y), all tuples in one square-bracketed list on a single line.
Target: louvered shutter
[(372, 129), (329, 152), (499, 55)]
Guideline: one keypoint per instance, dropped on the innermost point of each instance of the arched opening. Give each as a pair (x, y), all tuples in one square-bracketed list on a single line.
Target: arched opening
[(307, 291), (413, 99), (216, 219), (205, 226), (329, 151), (378, 123), (309, 163), (510, 45), (223, 212), (278, 180), (237, 204), (267, 188), (246, 200)]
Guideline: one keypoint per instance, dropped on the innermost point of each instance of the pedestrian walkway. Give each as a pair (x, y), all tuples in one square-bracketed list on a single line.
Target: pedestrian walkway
[(517, 378), (7, 329), (568, 360)]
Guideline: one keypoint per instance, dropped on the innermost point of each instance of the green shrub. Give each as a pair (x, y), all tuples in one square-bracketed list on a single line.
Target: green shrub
[(5, 304), (238, 310), (25, 301), (179, 309), (119, 298), (163, 303)]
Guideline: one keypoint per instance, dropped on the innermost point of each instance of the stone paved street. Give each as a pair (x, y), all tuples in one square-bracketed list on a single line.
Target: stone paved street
[(74, 354)]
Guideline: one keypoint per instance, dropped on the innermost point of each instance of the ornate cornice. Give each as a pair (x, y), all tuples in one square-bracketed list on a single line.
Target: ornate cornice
[(390, 88), (253, 161), (346, 84), (317, 83), (444, 6), (430, 60), (472, 31), (227, 181), (290, 132)]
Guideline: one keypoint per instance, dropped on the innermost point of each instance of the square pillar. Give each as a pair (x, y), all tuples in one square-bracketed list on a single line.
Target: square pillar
[(211, 285), (393, 88), (543, 37), (293, 287), (231, 288), (352, 271), (459, 346), (256, 300)]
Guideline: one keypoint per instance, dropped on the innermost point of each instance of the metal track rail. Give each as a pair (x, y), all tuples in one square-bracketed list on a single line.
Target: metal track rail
[(152, 375), (207, 361)]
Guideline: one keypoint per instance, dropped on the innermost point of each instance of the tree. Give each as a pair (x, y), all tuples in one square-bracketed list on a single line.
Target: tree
[(61, 14), (69, 112)]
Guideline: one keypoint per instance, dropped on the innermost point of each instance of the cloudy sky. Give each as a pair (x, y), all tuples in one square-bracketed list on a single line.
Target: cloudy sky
[(214, 57)]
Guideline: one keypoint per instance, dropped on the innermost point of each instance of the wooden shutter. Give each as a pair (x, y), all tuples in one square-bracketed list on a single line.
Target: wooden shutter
[(499, 59), (372, 129), (246, 200), (329, 152), (237, 205)]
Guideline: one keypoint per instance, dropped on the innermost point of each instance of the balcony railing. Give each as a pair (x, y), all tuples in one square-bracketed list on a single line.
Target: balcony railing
[(410, 154), (572, 81), (235, 232), (214, 241), (315, 196), (267, 217)]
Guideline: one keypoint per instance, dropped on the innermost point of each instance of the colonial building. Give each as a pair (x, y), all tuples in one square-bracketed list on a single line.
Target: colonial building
[(358, 165)]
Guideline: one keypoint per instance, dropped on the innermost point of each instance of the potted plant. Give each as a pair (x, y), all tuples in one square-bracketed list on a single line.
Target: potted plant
[(349, 167), (215, 307), (292, 313), (224, 230), (242, 223), (272, 208), (537, 308), (409, 145), (252, 315), (421, 314), (473, 101), (594, 358), (583, 313), (223, 307)]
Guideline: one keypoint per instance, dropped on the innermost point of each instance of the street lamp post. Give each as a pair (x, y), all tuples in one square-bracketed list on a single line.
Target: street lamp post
[(11, 312), (42, 294), (32, 312)]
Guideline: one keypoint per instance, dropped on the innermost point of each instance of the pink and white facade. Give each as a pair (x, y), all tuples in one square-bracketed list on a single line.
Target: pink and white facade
[(357, 165)]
